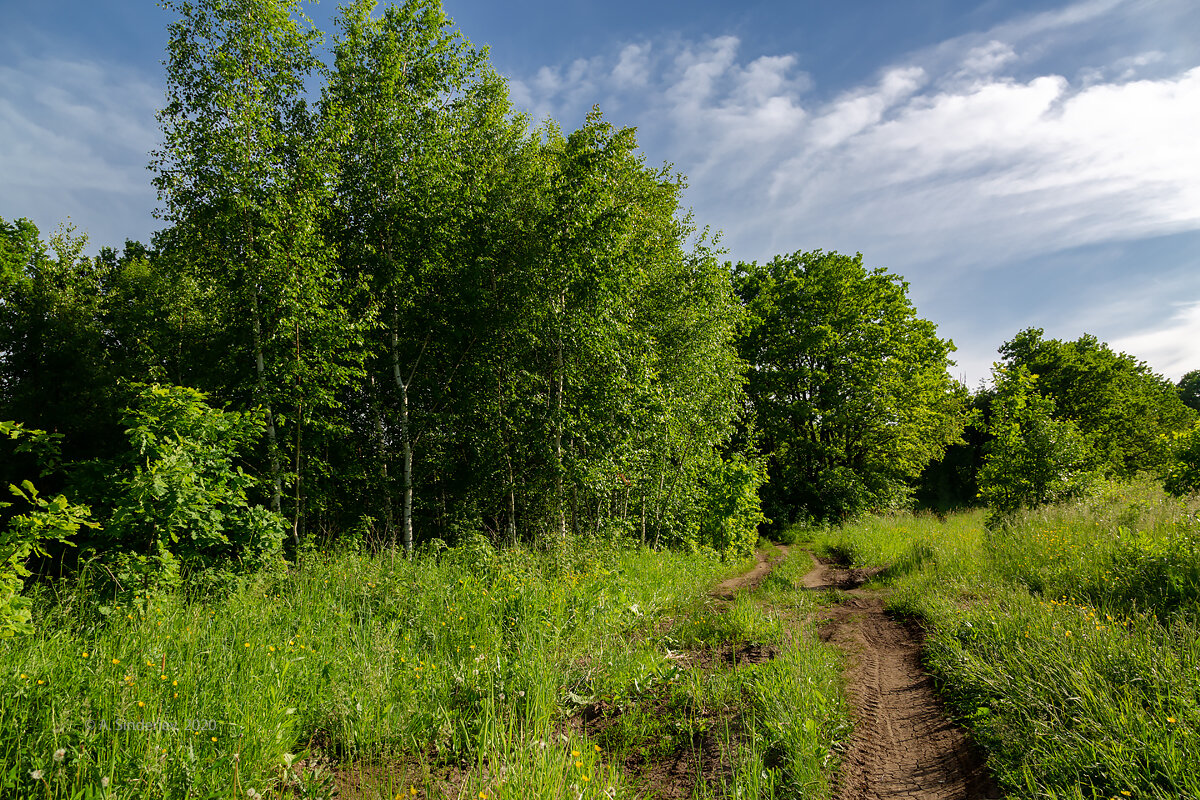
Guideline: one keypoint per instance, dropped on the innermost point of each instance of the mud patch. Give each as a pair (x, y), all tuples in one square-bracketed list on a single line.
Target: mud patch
[(699, 761), (730, 655), (832, 574), (686, 753)]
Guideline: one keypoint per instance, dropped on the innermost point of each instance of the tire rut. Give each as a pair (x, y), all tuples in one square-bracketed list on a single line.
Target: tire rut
[(903, 745), (763, 565)]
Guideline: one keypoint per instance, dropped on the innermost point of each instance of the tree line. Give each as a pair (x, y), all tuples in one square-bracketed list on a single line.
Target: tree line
[(386, 308)]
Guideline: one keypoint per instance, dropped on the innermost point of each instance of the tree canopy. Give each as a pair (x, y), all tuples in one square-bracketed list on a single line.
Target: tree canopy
[(385, 307), (848, 388), (1189, 389), (1122, 407)]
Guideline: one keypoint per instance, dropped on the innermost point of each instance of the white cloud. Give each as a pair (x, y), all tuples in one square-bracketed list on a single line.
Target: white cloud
[(76, 140), (1015, 168), (633, 66), (966, 163), (862, 109), (1173, 347), (987, 58), (949, 165)]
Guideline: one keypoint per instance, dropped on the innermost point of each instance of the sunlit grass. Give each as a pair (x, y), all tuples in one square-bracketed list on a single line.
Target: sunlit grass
[(453, 675), (1068, 640), (448, 659)]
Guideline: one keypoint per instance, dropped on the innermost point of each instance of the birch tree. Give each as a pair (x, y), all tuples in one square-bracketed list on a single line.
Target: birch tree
[(243, 174), (410, 92)]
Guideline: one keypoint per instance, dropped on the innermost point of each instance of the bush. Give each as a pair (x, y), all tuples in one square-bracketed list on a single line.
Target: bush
[(179, 506), (733, 512), (1034, 458), (1183, 476), (24, 535)]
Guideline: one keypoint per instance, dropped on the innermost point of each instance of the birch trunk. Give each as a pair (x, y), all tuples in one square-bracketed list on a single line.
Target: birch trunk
[(406, 528)]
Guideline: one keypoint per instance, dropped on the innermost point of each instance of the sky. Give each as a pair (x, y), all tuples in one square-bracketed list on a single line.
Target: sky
[(1019, 163)]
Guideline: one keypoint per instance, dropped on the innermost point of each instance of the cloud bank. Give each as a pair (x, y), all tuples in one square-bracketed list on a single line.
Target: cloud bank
[(948, 167), (987, 169)]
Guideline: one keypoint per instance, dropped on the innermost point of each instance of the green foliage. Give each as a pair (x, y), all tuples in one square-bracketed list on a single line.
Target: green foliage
[(849, 388), (177, 501), (952, 482), (1183, 471), (245, 174), (1120, 406), (733, 510), (1033, 458), (453, 322), (423, 122), (27, 534), (55, 367), (1189, 389)]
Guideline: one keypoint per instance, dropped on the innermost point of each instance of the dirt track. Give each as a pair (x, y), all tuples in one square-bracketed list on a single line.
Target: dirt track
[(903, 744), (748, 580)]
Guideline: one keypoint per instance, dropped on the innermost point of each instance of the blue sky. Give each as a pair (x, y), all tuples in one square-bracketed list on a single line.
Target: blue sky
[(1019, 163)]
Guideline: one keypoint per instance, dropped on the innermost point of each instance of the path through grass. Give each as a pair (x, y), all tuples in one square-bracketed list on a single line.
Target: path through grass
[(1068, 641), (464, 675)]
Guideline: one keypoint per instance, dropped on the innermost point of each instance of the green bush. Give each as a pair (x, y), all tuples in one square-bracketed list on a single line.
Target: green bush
[(24, 535), (733, 513), (179, 506), (1183, 476), (1034, 458)]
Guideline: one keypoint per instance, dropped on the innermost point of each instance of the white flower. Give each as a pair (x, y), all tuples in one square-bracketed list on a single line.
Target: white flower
[(60, 754), (104, 782), (36, 774)]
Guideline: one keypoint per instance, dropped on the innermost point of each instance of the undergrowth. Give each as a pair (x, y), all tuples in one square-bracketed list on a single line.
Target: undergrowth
[(457, 674)]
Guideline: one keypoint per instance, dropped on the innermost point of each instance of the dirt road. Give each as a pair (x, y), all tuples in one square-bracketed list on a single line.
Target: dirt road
[(763, 564), (903, 744)]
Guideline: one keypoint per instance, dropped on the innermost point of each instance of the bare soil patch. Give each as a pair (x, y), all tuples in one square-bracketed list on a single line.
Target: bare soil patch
[(904, 745), (748, 580), (671, 768)]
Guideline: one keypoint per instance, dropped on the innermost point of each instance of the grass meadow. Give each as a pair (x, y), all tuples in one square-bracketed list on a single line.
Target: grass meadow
[(1066, 638), (471, 673)]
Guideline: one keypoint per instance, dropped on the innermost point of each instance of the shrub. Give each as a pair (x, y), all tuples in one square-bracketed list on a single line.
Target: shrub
[(1183, 476), (24, 535), (179, 506), (733, 512), (1034, 458)]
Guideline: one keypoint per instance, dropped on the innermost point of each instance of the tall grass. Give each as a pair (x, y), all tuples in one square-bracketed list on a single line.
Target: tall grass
[(438, 662), (1068, 639), (453, 675)]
